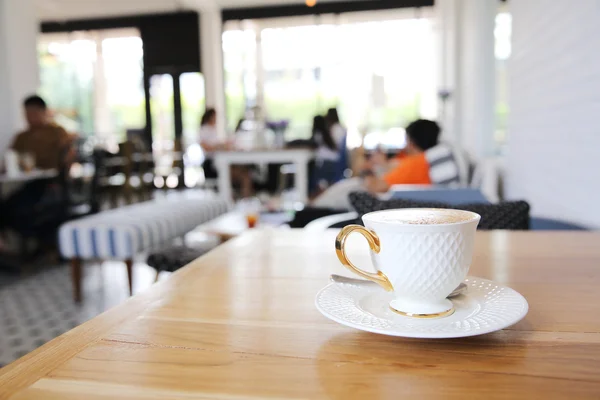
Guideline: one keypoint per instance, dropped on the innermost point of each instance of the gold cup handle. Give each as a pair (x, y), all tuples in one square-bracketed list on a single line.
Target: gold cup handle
[(340, 249)]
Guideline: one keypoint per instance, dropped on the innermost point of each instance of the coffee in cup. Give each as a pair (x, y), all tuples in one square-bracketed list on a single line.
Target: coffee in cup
[(421, 254)]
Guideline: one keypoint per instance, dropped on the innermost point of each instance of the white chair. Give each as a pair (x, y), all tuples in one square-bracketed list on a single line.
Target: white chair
[(321, 224), (487, 178)]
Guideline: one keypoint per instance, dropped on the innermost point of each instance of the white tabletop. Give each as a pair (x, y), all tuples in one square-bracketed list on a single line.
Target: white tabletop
[(264, 156), (29, 176)]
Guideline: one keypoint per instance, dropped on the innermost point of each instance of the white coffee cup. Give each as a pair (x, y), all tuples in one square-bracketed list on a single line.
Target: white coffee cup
[(421, 254), (11, 163)]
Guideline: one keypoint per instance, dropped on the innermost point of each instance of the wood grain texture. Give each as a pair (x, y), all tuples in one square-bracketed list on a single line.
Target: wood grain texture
[(240, 323)]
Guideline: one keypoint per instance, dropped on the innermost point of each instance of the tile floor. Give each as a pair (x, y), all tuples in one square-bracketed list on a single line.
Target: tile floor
[(37, 308)]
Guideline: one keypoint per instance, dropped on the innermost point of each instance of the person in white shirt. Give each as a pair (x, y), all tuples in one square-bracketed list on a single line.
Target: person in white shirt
[(210, 142)]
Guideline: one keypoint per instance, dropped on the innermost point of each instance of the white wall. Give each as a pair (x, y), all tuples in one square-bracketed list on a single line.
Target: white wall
[(18, 64), (467, 69), (211, 58), (477, 79), (554, 123), (448, 30)]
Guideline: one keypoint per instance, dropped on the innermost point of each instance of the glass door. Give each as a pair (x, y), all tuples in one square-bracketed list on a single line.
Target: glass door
[(93, 82), (176, 106), (163, 128), (192, 108)]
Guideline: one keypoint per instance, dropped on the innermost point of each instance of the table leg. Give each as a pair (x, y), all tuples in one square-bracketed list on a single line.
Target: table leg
[(301, 181), (129, 264), (76, 278), (224, 180)]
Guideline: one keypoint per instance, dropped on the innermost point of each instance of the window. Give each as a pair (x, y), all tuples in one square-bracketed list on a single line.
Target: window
[(192, 104), (379, 73), (239, 59), (93, 81), (502, 33)]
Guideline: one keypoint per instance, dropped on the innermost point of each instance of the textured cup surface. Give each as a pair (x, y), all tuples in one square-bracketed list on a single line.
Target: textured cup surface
[(425, 253)]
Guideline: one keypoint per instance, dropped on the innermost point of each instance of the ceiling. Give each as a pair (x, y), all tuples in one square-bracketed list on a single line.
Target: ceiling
[(57, 10)]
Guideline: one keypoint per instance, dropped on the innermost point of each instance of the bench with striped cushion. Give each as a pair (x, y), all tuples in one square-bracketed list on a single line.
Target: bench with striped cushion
[(124, 232)]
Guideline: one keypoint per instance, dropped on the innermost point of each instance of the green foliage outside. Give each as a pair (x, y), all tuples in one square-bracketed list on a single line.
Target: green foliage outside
[(501, 122), (65, 92)]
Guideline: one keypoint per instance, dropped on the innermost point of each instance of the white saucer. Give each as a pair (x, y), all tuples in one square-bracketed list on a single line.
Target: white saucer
[(485, 307)]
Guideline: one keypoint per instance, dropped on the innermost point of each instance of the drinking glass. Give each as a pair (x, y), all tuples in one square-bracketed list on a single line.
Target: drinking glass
[(27, 161), (251, 208)]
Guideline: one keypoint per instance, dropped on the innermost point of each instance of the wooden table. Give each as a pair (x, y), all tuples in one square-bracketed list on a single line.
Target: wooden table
[(240, 323), (299, 157)]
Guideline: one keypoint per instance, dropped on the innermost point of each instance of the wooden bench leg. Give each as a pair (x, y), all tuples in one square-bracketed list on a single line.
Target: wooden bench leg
[(76, 278), (129, 264)]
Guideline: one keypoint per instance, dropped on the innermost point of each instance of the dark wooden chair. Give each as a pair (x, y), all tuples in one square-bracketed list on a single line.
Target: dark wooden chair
[(79, 181), (112, 179), (72, 195)]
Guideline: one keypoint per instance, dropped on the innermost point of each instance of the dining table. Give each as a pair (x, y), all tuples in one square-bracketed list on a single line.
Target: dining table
[(26, 176), (298, 157), (9, 182), (240, 323), (235, 223)]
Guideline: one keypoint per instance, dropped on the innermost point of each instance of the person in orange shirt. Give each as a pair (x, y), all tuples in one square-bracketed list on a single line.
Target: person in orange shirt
[(411, 166)]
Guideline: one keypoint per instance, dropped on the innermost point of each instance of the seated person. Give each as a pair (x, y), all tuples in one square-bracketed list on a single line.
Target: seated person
[(411, 167), (210, 142), (43, 139), (49, 145), (327, 155), (335, 128)]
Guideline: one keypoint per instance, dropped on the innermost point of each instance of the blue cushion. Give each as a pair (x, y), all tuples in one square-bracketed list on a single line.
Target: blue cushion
[(456, 196), (545, 224)]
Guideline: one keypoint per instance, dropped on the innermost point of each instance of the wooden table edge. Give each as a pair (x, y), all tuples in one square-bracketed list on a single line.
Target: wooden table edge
[(27, 370), (38, 364)]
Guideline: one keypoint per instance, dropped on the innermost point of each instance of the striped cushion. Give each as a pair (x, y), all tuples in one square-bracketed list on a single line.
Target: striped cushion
[(122, 233), (443, 169)]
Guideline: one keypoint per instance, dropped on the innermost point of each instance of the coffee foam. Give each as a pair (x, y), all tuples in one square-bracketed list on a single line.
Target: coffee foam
[(425, 216)]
